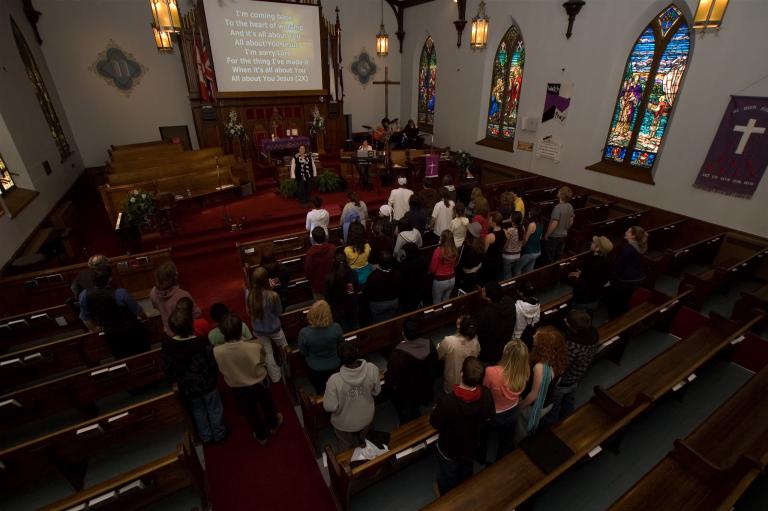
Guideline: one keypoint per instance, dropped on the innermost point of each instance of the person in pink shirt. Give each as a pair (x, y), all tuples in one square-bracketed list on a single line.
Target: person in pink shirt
[(506, 381)]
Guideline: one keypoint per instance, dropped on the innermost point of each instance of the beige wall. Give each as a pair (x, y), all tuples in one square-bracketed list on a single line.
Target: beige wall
[(74, 34), (25, 141), (731, 61)]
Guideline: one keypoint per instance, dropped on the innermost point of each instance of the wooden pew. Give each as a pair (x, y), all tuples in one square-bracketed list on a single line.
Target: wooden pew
[(204, 161), (405, 442), (79, 390), (142, 486), (68, 450), (750, 302), (716, 463), (517, 477), (137, 145), (54, 322), (619, 218), (145, 152), (49, 288), (54, 358), (737, 256), (156, 164)]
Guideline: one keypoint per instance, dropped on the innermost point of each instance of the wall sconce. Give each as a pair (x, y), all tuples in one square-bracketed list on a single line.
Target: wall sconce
[(572, 8), (462, 21), (710, 14), (165, 15), (162, 40), (479, 35), (382, 39)]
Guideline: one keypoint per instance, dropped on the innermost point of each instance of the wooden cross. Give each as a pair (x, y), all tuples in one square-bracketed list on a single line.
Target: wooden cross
[(386, 83)]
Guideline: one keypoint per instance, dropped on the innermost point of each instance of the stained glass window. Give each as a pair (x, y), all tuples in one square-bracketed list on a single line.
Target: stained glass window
[(506, 82), (6, 180), (33, 73), (649, 88), (427, 80)]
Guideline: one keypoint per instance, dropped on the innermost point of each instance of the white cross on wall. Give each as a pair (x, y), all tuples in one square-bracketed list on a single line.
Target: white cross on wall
[(746, 132)]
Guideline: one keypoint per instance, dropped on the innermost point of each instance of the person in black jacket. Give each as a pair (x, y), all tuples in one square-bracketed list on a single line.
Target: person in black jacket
[(594, 273), (496, 322), (459, 417), (382, 289), (188, 361), (411, 373), (629, 271), (413, 271)]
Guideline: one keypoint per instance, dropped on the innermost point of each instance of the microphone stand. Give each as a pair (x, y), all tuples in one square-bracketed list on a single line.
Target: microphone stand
[(227, 219)]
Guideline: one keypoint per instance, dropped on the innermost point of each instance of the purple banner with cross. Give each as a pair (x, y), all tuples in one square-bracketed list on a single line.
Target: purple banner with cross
[(738, 157)]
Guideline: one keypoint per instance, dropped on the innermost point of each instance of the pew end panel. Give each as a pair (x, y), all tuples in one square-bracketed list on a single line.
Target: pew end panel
[(340, 478)]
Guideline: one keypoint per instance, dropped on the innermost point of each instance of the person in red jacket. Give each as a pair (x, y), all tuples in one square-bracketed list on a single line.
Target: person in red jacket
[(318, 262), (444, 260)]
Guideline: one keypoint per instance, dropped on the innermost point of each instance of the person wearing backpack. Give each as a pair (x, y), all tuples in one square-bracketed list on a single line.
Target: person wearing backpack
[(528, 313)]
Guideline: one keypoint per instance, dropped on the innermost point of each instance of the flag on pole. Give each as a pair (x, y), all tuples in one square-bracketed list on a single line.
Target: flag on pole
[(205, 74)]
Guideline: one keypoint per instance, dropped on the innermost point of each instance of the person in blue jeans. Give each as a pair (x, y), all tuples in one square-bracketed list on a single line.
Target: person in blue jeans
[(531, 243), (188, 361), (459, 418)]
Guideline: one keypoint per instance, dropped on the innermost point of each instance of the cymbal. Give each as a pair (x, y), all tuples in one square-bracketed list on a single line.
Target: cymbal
[(367, 127)]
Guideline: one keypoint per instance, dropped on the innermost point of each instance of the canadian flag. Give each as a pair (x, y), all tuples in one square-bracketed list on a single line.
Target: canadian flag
[(205, 74)]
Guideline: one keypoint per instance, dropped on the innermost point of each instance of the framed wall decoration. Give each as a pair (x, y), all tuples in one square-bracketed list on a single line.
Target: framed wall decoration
[(119, 68), (363, 67)]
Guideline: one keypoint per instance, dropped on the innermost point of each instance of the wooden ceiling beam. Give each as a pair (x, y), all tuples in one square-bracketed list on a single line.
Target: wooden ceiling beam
[(399, 7)]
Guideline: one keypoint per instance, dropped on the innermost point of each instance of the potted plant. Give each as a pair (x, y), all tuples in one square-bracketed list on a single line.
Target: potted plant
[(140, 209), (464, 161), (288, 188), (236, 133), (328, 181)]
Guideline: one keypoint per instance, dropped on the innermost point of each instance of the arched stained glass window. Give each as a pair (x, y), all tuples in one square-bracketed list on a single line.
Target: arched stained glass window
[(505, 87), (427, 81), (6, 180), (649, 88), (46, 104)]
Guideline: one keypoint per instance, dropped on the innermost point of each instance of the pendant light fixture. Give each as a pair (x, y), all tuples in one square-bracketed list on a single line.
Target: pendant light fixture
[(165, 15), (478, 38), (382, 39)]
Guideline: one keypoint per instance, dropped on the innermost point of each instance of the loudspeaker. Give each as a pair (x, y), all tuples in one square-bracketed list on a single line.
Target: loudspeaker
[(333, 108), (208, 113)]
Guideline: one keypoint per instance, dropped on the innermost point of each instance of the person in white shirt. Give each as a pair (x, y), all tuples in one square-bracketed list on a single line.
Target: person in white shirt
[(365, 146), (442, 214), (318, 217), (398, 199)]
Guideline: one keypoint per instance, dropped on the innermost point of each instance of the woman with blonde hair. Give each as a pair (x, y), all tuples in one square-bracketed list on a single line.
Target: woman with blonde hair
[(319, 342), (264, 307), (629, 271), (549, 357), (442, 267), (506, 381)]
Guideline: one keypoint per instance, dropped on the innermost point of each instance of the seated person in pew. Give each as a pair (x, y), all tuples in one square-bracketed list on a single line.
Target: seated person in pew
[(581, 341), (188, 361), (629, 271), (528, 313), (411, 372), (553, 240), (84, 279), (459, 417), (453, 349), (349, 398), (264, 307), (319, 343), (594, 274), (496, 322), (506, 381), (116, 312), (382, 290), (550, 359), (242, 365), (317, 216), (318, 262), (166, 293), (215, 336)]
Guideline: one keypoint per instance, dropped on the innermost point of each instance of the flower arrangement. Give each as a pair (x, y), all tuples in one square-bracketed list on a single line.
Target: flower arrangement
[(233, 129), (139, 207), (464, 161), (318, 122)]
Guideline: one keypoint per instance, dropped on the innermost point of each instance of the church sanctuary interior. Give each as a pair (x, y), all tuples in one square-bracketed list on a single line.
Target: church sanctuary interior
[(375, 255)]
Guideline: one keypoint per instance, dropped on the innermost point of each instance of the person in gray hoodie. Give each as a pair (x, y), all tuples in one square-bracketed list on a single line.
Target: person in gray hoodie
[(528, 311), (411, 372), (349, 398), (166, 294)]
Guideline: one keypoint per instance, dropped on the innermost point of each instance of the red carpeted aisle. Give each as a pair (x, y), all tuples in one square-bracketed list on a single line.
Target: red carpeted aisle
[(243, 475)]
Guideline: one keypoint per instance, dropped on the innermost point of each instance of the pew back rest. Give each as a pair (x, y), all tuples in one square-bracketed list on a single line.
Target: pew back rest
[(145, 152), (53, 321)]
